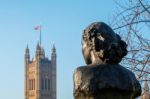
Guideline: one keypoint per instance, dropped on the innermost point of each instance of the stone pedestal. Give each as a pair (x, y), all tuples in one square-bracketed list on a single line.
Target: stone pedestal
[(105, 82)]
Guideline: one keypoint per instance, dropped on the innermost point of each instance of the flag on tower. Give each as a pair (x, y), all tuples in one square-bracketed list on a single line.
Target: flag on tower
[(37, 28)]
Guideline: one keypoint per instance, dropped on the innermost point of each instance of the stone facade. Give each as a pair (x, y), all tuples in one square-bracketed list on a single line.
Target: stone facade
[(40, 75)]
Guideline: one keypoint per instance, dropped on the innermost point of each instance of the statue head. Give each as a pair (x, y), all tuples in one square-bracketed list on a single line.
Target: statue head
[(101, 45)]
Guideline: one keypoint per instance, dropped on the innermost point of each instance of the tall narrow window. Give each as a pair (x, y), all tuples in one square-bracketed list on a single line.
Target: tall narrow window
[(33, 84), (42, 84), (45, 84), (29, 84), (48, 84)]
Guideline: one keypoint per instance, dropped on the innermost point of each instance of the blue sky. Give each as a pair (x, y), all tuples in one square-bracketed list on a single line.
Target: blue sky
[(62, 23)]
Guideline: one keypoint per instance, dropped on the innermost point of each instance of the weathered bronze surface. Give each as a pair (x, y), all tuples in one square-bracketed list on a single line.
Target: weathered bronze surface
[(103, 77), (104, 81)]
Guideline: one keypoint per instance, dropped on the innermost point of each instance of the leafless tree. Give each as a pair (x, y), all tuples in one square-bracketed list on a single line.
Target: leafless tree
[(132, 22)]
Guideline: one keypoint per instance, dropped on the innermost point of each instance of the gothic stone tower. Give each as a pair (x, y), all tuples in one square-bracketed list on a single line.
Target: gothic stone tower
[(40, 75)]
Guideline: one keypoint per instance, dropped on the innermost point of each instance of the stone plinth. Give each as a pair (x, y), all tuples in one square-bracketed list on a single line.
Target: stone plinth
[(105, 82)]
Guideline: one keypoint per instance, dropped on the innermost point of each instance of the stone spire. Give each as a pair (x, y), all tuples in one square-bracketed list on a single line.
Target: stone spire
[(53, 72), (54, 49), (27, 54), (40, 53), (27, 62), (53, 55)]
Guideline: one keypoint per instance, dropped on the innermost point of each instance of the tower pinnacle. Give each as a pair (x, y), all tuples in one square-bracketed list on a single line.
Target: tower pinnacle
[(53, 49), (27, 49), (40, 53), (27, 54), (53, 55)]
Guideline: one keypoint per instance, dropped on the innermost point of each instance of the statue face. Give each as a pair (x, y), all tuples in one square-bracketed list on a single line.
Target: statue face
[(101, 45)]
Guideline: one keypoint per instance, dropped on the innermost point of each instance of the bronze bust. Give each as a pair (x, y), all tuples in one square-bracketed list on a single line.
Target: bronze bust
[(104, 77)]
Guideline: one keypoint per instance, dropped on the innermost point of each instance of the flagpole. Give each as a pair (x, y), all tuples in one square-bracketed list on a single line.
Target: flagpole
[(40, 35)]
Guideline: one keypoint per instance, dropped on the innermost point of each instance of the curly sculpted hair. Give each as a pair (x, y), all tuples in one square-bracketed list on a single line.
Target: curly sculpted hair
[(104, 42)]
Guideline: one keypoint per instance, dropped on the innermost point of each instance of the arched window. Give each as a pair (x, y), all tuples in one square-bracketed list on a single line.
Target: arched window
[(29, 84)]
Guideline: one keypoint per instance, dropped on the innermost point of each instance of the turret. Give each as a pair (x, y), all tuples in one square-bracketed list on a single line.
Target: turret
[(43, 53), (53, 72), (40, 53), (27, 54), (53, 55), (27, 60)]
